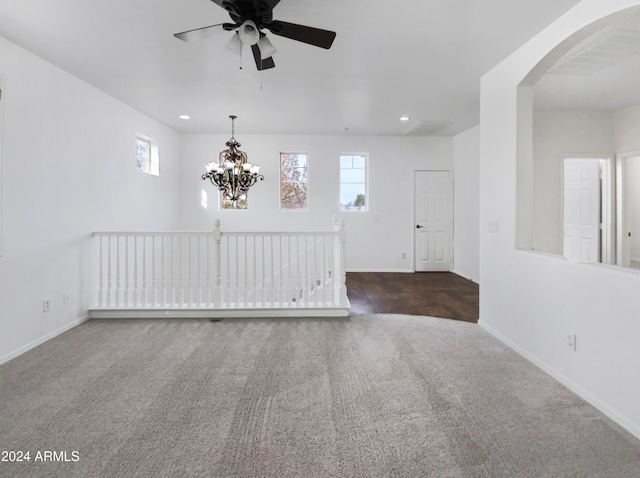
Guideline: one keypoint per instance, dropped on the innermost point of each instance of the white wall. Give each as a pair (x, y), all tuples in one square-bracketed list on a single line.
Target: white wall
[(375, 239), (626, 124), (68, 169), (557, 135), (466, 207), (533, 300)]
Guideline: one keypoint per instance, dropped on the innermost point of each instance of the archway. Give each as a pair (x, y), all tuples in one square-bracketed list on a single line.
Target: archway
[(579, 101)]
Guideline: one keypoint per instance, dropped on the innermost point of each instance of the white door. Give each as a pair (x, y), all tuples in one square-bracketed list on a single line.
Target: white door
[(433, 221), (581, 209)]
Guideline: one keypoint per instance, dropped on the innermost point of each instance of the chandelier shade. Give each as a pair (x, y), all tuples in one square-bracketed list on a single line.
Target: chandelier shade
[(232, 174)]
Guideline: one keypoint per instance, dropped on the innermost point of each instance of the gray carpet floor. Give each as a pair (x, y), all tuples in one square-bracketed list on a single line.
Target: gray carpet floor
[(364, 396)]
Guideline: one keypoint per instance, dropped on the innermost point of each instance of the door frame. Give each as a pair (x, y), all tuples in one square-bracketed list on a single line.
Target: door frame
[(413, 215), (609, 203), (623, 254)]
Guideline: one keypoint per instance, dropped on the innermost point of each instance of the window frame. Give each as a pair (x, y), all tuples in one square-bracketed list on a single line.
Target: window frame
[(151, 164), (367, 198), (306, 167)]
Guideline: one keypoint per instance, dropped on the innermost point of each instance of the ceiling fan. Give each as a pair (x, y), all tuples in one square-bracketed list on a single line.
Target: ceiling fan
[(249, 18)]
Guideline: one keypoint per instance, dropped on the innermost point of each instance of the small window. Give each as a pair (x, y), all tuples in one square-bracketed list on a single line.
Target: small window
[(353, 182), (147, 156), (293, 181)]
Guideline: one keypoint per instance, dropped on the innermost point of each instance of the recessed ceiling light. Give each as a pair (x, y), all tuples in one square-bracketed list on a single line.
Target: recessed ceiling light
[(405, 118), (184, 117)]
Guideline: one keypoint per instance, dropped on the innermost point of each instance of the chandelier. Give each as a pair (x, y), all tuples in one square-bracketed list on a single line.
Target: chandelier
[(232, 174)]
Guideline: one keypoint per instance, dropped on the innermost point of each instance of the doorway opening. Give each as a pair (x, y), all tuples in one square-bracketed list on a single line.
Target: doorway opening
[(628, 209)]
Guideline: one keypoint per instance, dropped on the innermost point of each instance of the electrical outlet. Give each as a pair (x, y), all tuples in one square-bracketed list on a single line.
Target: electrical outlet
[(46, 305), (66, 297), (571, 342)]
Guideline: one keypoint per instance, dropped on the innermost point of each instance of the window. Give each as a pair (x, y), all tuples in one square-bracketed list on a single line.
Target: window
[(353, 182), (147, 157), (293, 181), (241, 203)]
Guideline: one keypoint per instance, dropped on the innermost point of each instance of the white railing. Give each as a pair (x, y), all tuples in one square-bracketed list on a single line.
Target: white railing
[(221, 270)]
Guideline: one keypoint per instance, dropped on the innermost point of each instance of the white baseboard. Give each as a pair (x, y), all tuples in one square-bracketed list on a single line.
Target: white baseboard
[(575, 388), (41, 340), (229, 313), (380, 270)]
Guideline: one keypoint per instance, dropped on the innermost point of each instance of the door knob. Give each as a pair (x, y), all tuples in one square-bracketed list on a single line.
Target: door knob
[(419, 226)]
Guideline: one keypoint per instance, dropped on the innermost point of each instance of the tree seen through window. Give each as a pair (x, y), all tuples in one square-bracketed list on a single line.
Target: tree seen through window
[(293, 181)]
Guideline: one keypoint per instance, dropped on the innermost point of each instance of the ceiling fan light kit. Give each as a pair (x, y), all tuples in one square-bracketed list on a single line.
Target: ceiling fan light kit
[(249, 18), (235, 44), (249, 33), (266, 48)]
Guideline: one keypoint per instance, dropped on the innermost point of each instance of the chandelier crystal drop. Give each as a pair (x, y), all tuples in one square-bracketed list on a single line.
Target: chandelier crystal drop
[(232, 174)]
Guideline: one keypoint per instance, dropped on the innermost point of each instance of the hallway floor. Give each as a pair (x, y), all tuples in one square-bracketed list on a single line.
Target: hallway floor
[(436, 294)]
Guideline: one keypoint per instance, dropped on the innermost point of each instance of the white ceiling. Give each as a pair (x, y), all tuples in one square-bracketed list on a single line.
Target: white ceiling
[(423, 58), (598, 74)]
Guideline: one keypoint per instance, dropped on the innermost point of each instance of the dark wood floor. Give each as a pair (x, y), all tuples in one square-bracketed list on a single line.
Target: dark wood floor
[(437, 294)]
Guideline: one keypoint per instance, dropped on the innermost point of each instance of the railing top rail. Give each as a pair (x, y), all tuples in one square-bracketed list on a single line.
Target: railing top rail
[(201, 233), (279, 233), (148, 234)]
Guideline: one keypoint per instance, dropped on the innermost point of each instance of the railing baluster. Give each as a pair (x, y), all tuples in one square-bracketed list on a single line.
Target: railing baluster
[(278, 272), (171, 279), (125, 301), (118, 285), (218, 290), (208, 269), (306, 274), (198, 276), (230, 278), (246, 271), (189, 272), (134, 267), (100, 273), (264, 285), (163, 275), (254, 276), (273, 275), (154, 277), (314, 272)]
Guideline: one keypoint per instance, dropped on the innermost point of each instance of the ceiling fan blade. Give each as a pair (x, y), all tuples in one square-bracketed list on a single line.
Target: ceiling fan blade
[(202, 33), (261, 63), (310, 35)]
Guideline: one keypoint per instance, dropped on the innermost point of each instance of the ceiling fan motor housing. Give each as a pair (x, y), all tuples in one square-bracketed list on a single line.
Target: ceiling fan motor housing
[(259, 12)]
